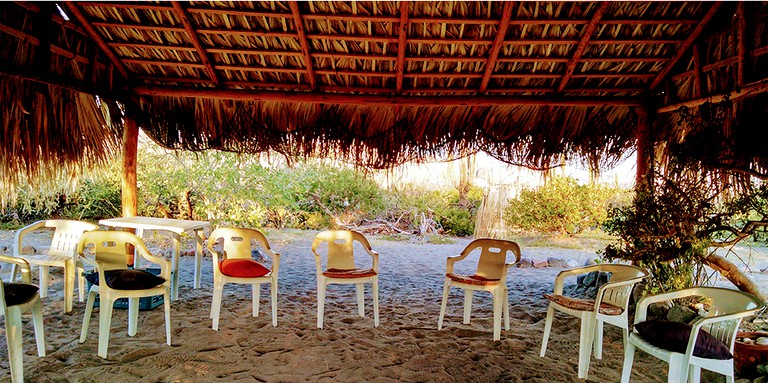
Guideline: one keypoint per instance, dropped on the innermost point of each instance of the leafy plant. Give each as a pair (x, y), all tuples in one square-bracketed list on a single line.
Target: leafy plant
[(561, 206)]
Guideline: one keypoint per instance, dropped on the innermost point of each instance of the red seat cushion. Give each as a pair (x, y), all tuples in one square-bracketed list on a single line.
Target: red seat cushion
[(472, 279), (242, 268), (349, 273)]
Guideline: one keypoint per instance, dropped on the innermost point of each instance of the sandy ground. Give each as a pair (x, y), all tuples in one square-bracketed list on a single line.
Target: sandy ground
[(406, 347)]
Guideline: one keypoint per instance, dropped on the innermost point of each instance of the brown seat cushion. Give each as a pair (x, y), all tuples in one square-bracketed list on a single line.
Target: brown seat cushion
[(349, 273), (472, 279), (583, 304), (673, 336), (18, 293)]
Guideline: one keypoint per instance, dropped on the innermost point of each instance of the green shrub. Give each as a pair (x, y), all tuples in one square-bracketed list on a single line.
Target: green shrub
[(561, 206)]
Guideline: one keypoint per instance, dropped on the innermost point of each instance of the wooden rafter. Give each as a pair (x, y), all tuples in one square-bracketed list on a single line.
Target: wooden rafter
[(182, 15), (747, 90), (589, 30), (697, 85), (683, 48), (394, 100), (742, 51), (304, 43), (74, 9), (402, 34), (501, 33)]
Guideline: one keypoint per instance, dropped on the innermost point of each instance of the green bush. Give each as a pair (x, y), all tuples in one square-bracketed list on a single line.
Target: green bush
[(561, 206)]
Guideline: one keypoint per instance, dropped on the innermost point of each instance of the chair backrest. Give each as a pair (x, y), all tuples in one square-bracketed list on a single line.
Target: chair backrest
[(109, 247), (237, 241), (340, 247), (67, 235), (493, 256), (619, 295), (727, 302)]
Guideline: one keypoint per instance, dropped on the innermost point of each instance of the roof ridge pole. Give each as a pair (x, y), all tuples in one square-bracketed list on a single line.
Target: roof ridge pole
[(402, 35), (297, 19), (184, 17), (93, 34), (589, 29), (498, 41), (680, 51)]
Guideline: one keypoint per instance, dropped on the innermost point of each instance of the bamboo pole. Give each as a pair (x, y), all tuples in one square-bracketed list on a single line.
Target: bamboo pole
[(747, 90), (130, 154)]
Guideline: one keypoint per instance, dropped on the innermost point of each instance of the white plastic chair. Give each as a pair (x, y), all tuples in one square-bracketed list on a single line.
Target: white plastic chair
[(727, 308), (610, 306), (109, 248), (13, 321), (491, 276), (238, 245), (61, 254), (341, 269)]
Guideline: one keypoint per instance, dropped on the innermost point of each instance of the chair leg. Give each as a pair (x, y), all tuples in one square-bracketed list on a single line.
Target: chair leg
[(320, 302), (505, 304), (375, 291), (105, 322), (678, 373), (446, 287), (694, 374), (43, 281), (497, 296), (360, 287), (37, 321), (598, 341), (87, 317), (586, 338), (15, 349), (218, 289), (133, 316), (80, 283), (468, 294), (629, 356), (256, 293), (273, 293), (547, 329), (69, 285), (167, 307)]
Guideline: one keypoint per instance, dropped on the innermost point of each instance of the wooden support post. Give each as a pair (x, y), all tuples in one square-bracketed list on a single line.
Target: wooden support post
[(742, 51), (697, 79), (644, 147), (129, 182)]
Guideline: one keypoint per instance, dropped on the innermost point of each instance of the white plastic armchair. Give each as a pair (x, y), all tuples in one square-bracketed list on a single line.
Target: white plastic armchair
[(109, 249), (610, 306), (30, 302), (62, 254), (237, 247), (727, 308), (491, 276), (341, 269)]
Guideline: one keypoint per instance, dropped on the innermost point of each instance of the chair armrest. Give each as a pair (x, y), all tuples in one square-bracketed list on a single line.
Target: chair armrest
[(26, 272), (318, 264), (641, 312), (275, 263), (505, 269), (451, 260), (375, 259), (19, 237), (165, 265), (613, 285), (696, 326)]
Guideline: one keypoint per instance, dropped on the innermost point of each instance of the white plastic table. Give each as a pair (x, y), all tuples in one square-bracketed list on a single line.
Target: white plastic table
[(176, 227)]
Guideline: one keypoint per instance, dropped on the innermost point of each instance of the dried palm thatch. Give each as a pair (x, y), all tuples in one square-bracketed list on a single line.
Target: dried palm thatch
[(378, 83)]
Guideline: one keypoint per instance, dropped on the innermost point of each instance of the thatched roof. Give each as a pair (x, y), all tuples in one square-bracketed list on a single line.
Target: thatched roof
[(376, 83)]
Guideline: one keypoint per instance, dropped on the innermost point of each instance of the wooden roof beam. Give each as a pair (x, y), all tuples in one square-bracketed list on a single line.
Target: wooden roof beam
[(393, 100), (589, 30), (501, 33), (304, 43), (402, 34), (75, 10), (747, 90), (683, 48), (182, 15)]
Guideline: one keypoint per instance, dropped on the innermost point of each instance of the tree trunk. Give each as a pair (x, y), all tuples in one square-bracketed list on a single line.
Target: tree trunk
[(728, 270)]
